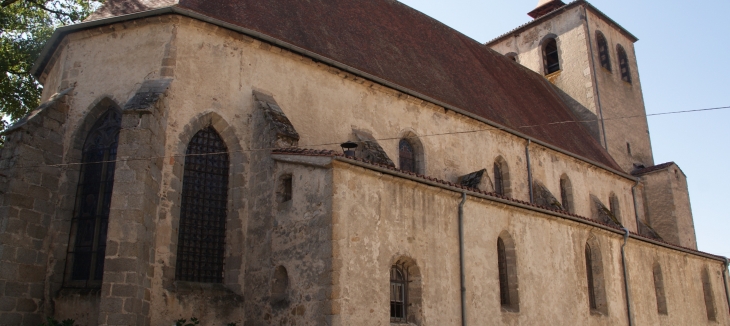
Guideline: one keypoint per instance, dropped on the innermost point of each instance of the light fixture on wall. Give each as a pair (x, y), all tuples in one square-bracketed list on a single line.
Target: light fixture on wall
[(348, 148)]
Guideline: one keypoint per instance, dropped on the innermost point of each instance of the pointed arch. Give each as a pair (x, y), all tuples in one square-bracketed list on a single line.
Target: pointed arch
[(661, 298), (89, 223), (596, 288), (603, 51), (507, 266), (411, 153), (500, 170), (566, 194), (623, 63)]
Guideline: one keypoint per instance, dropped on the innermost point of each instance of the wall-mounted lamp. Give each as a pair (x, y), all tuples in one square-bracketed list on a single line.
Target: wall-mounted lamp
[(348, 148)]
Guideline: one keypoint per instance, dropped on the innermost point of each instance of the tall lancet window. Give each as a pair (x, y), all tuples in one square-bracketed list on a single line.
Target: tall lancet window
[(407, 156), (623, 64), (498, 179), (87, 245), (203, 211), (603, 51), (398, 287)]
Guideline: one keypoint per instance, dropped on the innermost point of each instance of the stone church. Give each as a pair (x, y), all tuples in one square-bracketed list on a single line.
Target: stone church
[(344, 162)]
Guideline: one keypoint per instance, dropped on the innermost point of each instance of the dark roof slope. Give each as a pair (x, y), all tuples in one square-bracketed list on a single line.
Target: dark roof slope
[(399, 44), (650, 169)]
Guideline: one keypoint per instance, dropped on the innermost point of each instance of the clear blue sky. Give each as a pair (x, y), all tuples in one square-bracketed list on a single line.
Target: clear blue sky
[(684, 64)]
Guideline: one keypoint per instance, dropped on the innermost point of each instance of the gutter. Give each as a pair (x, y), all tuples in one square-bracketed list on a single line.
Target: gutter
[(626, 277), (461, 259), (523, 205), (58, 35)]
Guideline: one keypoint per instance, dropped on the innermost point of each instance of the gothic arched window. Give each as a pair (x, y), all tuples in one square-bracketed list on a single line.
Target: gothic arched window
[(203, 210), (498, 179), (550, 56), (661, 299), (398, 294), (407, 156), (566, 193), (623, 64), (503, 276), (87, 245), (603, 51), (614, 206), (591, 281)]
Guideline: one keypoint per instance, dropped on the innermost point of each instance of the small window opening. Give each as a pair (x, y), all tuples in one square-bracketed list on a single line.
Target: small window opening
[(503, 277), (614, 206), (498, 179), (566, 194), (661, 299), (623, 64), (407, 156), (279, 285), (709, 296), (550, 56), (603, 51), (398, 299), (628, 148), (284, 191), (589, 274)]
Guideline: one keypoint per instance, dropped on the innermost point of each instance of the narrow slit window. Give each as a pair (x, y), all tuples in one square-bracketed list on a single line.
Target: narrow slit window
[(284, 193), (87, 244), (709, 296), (566, 194), (503, 276), (203, 211), (623, 64), (498, 179), (603, 51), (661, 299), (591, 280), (398, 299), (550, 56)]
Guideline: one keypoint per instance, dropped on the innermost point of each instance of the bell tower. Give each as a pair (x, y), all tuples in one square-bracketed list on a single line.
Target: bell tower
[(591, 60)]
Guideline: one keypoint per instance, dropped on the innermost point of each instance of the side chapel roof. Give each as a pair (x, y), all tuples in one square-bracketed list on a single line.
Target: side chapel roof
[(396, 43)]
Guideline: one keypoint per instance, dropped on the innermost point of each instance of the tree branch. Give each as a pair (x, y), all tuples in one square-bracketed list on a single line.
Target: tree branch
[(7, 3), (41, 6)]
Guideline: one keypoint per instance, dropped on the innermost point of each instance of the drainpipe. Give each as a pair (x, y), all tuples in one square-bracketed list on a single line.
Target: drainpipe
[(595, 79), (461, 258), (636, 209), (529, 170), (626, 277), (724, 280)]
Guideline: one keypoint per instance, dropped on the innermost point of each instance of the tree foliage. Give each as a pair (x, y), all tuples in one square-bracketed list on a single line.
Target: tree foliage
[(25, 26)]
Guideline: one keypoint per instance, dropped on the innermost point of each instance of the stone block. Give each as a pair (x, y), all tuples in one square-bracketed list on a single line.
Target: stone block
[(26, 256), (7, 304), (8, 271), (120, 265), (111, 305), (11, 318), (121, 319), (31, 273), (15, 289), (20, 201), (32, 319), (26, 305), (36, 231), (124, 290)]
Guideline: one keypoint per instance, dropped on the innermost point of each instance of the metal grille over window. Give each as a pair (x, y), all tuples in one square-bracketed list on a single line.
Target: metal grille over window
[(87, 244), (550, 55), (623, 64), (498, 179), (603, 52), (398, 301), (589, 274), (503, 276), (407, 156), (201, 239)]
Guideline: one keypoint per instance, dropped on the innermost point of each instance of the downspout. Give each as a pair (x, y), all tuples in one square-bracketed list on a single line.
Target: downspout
[(529, 170), (724, 280), (461, 259), (636, 209), (626, 277), (595, 79)]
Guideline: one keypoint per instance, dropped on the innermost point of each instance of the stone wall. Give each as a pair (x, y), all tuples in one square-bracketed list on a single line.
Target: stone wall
[(668, 207)]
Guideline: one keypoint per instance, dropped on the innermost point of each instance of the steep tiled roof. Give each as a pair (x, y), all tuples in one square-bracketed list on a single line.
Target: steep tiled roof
[(398, 44), (460, 188)]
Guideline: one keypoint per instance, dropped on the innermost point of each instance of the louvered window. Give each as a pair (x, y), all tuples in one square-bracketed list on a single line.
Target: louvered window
[(87, 247), (202, 232), (550, 56), (398, 299), (623, 64), (603, 51)]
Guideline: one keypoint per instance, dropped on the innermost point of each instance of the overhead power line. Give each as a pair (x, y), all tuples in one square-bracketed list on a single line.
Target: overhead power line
[(377, 139)]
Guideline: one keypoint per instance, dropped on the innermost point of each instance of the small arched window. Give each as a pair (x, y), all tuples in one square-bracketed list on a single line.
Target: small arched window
[(594, 275), (623, 63), (407, 156), (398, 294), (550, 56), (512, 56), (87, 247), (498, 179), (603, 51), (661, 299), (507, 265), (203, 211), (566, 193)]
